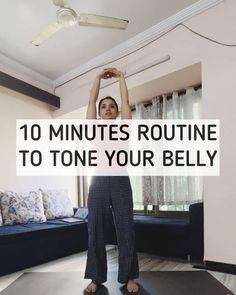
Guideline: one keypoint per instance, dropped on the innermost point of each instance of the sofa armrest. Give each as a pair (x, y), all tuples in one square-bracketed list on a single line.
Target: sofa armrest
[(196, 218)]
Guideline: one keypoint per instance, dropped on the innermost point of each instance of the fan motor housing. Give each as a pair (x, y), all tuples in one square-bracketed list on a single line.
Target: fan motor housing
[(66, 17)]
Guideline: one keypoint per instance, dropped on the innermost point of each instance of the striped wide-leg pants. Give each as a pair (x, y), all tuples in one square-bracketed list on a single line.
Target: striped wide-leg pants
[(108, 193)]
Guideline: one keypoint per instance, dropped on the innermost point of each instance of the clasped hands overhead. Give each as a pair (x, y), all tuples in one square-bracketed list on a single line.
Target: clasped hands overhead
[(108, 73)]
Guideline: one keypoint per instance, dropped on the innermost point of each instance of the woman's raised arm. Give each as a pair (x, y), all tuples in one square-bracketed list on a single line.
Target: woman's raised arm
[(94, 92), (125, 106), (91, 109)]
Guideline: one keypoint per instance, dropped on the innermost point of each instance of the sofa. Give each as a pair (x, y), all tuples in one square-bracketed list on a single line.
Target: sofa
[(33, 229), (168, 236), (26, 245)]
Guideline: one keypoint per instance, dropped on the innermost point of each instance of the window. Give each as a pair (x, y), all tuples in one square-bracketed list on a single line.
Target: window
[(168, 195)]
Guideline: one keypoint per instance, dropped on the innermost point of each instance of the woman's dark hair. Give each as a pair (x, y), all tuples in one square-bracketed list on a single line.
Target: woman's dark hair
[(107, 97)]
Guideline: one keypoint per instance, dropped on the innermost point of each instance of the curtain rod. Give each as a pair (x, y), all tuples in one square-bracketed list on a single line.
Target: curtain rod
[(141, 69), (181, 91), (169, 95)]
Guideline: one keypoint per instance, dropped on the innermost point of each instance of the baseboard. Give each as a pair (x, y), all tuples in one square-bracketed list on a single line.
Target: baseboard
[(215, 266)]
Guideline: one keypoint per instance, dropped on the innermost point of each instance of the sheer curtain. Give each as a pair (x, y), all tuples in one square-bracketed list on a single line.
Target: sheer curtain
[(169, 190), (183, 190), (150, 187)]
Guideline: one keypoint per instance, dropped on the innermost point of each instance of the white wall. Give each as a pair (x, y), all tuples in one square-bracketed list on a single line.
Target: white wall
[(219, 102), (16, 106)]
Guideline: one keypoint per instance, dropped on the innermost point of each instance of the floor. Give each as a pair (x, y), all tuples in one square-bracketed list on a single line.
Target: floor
[(76, 263)]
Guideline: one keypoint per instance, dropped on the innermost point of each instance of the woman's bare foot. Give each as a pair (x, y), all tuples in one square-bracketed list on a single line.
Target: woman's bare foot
[(132, 286), (91, 288)]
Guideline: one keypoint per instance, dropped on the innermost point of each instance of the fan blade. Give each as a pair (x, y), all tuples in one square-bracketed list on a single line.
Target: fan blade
[(61, 3), (102, 21), (46, 33)]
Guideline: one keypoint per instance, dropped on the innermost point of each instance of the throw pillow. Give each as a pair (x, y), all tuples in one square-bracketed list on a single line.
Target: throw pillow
[(57, 204), (1, 222), (22, 208)]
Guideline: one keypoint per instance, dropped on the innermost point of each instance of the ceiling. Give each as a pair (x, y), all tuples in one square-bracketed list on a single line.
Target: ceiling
[(72, 47)]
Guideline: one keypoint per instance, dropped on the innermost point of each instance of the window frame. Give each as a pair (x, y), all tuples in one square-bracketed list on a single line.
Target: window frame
[(156, 212)]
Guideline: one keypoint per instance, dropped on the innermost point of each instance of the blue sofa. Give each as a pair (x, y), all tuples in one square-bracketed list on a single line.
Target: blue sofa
[(169, 236), (26, 245), (172, 237)]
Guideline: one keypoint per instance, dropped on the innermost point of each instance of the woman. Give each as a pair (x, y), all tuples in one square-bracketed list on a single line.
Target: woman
[(110, 193)]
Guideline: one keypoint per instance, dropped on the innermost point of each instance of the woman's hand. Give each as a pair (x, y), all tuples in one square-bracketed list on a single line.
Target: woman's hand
[(109, 73), (115, 73), (105, 74)]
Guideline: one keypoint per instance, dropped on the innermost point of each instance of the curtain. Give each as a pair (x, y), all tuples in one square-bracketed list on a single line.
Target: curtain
[(151, 187), (180, 190), (169, 190)]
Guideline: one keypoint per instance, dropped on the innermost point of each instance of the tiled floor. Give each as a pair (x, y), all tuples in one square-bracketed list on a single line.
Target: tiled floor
[(76, 263)]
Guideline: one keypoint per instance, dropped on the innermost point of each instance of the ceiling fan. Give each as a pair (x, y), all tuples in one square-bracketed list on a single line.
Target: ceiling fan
[(67, 17)]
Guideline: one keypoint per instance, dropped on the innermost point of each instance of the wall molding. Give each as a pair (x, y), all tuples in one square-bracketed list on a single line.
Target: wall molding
[(8, 65), (216, 266)]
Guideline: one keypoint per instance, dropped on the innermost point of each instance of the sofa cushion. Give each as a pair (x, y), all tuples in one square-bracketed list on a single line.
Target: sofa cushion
[(9, 233), (57, 204), (22, 208), (163, 225)]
